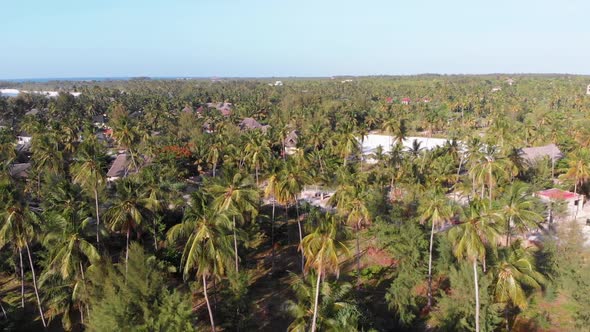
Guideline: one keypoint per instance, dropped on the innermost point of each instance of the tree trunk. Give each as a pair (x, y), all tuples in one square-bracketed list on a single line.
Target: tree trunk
[(508, 231), (3, 310), (476, 295), (97, 215), (22, 278), (358, 255), (257, 184), (490, 183), (127, 253), (272, 236), (317, 296), (35, 286), (236, 245), (214, 166), (300, 237), (208, 304), (430, 267)]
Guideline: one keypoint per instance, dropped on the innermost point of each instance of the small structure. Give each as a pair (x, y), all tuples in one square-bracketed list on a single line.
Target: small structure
[(291, 143), (225, 107), (425, 100), (509, 81), (496, 89), (187, 109), (99, 120), (119, 168), (23, 138), (406, 101), (389, 100), (573, 202), (32, 112), (252, 124), (588, 89), (19, 171), (278, 83), (534, 154)]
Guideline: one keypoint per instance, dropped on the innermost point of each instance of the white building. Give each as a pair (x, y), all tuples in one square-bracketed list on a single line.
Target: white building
[(588, 89), (372, 141)]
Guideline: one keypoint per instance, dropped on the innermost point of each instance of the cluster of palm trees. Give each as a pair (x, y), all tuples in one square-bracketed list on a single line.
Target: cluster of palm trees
[(67, 219)]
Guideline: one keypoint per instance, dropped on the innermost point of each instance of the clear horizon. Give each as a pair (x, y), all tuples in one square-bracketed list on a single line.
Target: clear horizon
[(264, 39)]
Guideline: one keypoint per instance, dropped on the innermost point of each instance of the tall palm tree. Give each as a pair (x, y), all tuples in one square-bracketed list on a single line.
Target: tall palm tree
[(127, 212), (470, 239), (88, 171), (514, 272), (237, 197), (19, 228), (437, 209), (257, 151), (351, 202), (578, 167), (322, 247), (517, 208), (69, 253), (292, 180), (207, 248), (272, 191)]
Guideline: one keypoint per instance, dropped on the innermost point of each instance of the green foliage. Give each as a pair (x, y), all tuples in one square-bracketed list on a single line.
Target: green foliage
[(455, 309), (137, 300)]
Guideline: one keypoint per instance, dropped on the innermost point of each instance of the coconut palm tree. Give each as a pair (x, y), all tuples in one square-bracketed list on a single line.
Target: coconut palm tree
[(517, 208), (351, 202), (322, 247), (207, 248), (127, 212), (257, 151), (292, 180), (238, 196), (436, 208), (19, 228), (470, 238), (88, 171), (514, 273), (578, 167)]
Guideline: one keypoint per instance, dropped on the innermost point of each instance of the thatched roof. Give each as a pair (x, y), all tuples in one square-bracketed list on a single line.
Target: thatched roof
[(534, 154), (20, 170), (292, 139), (120, 166)]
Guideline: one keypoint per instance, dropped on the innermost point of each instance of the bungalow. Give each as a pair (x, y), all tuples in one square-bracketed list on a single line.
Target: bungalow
[(119, 168), (252, 124), (573, 202), (23, 139), (291, 142), (19, 171), (406, 101), (225, 108), (534, 154)]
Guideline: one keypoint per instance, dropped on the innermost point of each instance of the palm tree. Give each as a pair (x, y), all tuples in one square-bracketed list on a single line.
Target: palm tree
[(438, 210), (18, 228), (351, 202), (272, 191), (470, 238), (69, 252), (89, 173), (127, 211), (127, 135), (396, 128), (257, 151), (237, 197), (322, 247), (518, 210), (206, 250), (578, 167), (292, 180), (514, 271)]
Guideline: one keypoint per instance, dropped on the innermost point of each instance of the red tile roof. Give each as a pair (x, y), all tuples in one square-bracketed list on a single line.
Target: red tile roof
[(555, 193)]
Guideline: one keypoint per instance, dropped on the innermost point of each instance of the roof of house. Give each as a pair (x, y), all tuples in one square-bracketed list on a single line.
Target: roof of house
[(292, 139), (534, 153), (249, 123), (187, 109), (224, 108), (20, 170), (558, 194), (98, 119), (119, 167), (33, 112)]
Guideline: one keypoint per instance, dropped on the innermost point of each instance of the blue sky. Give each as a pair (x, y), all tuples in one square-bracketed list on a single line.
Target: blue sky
[(67, 38)]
